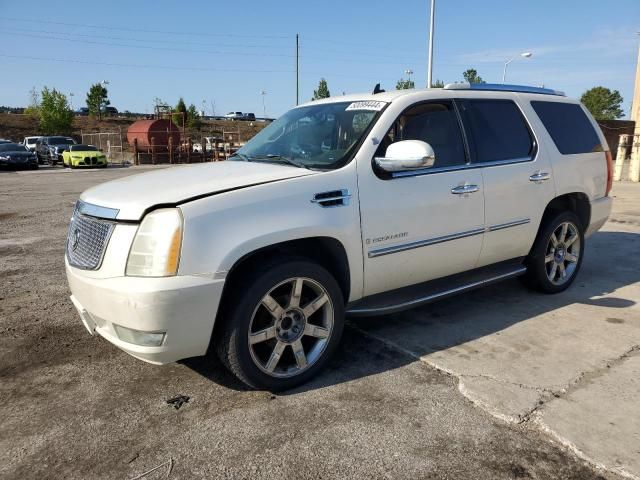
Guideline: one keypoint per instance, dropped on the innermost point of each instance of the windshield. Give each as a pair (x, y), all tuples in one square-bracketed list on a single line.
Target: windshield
[(318, 136), (61, 141), (12, 147), (83, 148)]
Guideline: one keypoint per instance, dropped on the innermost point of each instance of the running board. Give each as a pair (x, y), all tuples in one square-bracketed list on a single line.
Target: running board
[(433, 290)]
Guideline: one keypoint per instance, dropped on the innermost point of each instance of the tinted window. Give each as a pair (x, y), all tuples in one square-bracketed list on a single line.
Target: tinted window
[(569, 127), (435, 123), (496, 130), (82, 148), (13, 147)]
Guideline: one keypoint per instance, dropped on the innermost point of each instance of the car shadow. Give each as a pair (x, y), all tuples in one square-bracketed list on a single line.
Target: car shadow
[(611, 262)]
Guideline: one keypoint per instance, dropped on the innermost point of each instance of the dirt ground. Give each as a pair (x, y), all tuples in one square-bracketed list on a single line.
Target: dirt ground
[(74, 406)]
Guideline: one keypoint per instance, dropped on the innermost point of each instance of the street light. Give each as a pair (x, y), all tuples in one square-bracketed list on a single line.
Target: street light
[(408, 72), (432, 16), (264, 107), (71, 99), (506, 64)]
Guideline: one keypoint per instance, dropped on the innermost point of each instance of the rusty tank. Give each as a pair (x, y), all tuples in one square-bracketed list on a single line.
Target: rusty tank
[(160, 130)]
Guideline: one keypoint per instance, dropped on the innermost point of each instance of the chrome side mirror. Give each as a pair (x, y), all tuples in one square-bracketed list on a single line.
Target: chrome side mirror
[(407, 155)]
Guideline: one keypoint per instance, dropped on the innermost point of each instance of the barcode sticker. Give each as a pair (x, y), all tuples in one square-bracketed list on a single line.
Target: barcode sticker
[(367, 105)]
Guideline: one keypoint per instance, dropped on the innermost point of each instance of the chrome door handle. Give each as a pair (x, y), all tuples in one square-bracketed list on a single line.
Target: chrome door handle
[(539, 177), (462, 189)]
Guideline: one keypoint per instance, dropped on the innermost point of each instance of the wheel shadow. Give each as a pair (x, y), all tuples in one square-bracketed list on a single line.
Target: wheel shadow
[(612, 261)]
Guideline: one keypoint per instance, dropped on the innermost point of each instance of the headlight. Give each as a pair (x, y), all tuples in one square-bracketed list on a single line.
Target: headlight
[(78, 157), (5, 157), (156, 247)]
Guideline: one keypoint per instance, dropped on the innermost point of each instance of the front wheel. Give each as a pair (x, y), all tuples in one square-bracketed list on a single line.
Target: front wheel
[(283, 327), (556, 256)]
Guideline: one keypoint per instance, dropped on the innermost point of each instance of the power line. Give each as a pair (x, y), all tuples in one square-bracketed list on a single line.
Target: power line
[(137, 65), (141, 30)]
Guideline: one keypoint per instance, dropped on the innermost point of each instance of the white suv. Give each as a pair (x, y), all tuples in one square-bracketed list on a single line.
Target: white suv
[(361, 205)]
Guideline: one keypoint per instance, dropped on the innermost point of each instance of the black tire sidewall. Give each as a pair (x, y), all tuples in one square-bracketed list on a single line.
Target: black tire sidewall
[(238, 313), (536, 264)]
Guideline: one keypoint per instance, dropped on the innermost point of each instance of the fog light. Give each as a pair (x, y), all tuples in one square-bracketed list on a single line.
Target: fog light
[(145, 339)]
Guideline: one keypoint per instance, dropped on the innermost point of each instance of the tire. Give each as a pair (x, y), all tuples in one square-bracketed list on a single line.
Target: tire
[(264, 301), (547, 263)]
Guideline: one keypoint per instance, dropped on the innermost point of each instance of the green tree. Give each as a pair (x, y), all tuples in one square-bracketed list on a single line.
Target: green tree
[(97, 99), (437, 84), (55, 115), (405, 84), (193, 117), (181, 107), (604, 104), (471, 76), (34, 103), (322, 91)]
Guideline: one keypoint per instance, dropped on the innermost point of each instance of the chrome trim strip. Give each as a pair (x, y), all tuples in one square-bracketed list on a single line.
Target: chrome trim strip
[(455, 168), (502, 226), (378, 252), (429, 298), (96, 211)]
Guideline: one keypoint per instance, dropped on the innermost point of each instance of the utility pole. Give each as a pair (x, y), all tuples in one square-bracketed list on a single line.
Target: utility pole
[(297, 68), (430, 64)]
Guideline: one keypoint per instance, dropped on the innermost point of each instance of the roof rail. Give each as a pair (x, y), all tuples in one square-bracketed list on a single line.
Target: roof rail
[(498, 87)]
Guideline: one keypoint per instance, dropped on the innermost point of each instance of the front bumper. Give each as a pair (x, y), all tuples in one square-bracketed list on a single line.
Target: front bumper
[(600, 211), (19, 162), (183, 307)]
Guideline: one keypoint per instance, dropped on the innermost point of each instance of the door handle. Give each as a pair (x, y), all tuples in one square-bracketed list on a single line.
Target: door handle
[(463, 189), (539, 177)]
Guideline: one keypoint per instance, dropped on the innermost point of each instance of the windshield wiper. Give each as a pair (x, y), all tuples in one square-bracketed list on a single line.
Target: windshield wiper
[(278, 159), (241, 156)]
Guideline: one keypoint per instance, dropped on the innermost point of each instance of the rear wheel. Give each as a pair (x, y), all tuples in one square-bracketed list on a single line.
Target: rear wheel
[(556, 256), (283, 327)]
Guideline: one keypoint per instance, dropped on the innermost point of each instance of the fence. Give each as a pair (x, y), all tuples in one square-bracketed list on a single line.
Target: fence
[(109, 142)]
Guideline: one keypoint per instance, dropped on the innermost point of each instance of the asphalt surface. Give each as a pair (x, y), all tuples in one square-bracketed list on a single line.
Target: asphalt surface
[(74, 406)]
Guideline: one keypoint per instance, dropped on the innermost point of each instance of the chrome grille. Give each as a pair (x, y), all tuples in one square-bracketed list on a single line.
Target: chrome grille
[(87, 240)]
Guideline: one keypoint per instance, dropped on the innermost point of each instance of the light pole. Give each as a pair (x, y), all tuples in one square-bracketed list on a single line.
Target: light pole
[(430, 63), (71, 100), (408, 72), (506, 64), (264, 106)]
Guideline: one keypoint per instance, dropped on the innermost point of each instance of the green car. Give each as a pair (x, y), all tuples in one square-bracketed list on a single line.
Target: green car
[(83, 156)]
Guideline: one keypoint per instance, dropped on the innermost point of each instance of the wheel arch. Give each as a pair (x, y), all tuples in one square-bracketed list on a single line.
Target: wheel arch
[(576, 202)]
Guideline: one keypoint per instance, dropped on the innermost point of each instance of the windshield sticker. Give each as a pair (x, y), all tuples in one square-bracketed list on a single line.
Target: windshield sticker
[(368, 105)]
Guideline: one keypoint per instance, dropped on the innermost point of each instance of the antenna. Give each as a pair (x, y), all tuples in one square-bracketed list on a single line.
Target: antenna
[(377, 89)]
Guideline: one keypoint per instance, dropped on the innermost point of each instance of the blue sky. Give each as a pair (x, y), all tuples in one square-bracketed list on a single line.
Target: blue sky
[(228, 52)]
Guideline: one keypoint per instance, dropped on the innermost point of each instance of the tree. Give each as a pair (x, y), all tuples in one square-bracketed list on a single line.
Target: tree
[(437, 84), (322, 91), (193, 117), (471, 76), (97, 99), (180, 113), (405, 84), (603, 103), (181, 107), (34, 103), (55, 115)]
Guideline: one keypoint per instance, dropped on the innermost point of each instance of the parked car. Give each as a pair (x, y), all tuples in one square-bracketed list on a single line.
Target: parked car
[(234, 116), (17, 155), (83, 156), (251, 117), (30, 142), (110, 111), (50, 149), (210, 144), (5, 140), (356, 205)]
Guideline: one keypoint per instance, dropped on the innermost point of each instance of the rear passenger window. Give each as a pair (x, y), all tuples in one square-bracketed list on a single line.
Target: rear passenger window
[(569, 127), (496, 130)]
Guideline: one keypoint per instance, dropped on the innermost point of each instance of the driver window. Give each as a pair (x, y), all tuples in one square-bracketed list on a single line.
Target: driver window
[(435, 123)]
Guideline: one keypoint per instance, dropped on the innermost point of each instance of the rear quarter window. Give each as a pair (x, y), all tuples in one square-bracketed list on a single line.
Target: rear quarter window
[(569, 127)]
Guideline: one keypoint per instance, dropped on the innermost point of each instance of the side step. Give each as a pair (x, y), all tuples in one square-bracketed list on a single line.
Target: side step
[(433, 290)]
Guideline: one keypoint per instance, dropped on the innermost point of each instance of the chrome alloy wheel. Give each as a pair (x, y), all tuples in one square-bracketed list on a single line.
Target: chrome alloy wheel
[(562, 254), (290, 328)]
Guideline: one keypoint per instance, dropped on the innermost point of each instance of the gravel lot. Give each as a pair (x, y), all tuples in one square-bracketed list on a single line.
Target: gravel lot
[(76, 407)]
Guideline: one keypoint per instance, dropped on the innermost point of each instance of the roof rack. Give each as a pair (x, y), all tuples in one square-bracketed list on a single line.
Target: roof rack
[(498, 87)]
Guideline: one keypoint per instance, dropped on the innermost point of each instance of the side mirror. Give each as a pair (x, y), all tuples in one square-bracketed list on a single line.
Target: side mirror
[(407, 155)]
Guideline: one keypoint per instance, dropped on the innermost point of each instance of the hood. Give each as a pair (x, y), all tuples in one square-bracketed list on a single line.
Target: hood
[(135, 194)]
